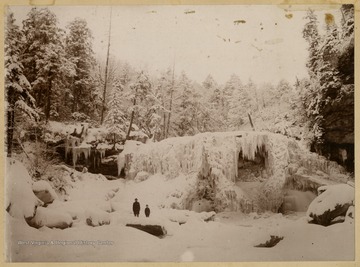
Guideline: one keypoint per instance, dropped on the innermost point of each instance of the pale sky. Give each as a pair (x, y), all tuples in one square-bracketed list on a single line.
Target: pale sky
[(266, 48)]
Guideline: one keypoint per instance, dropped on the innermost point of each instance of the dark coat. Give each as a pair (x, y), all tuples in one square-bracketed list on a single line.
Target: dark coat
[(147, 212), (136, 207)]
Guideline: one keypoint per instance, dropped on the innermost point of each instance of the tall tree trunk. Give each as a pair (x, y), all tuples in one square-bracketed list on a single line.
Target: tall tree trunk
[(131, 119), (164, 128), (106, 73), (75, 98), (171, 98), (48, 101), (10, 128), (164, 116), (251, 123)]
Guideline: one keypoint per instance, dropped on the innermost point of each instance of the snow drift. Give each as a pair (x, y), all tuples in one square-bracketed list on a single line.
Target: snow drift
[(211, 162), (21, 202)]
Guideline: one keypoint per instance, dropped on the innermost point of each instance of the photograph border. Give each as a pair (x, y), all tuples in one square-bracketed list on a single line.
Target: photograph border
[(5, 3)]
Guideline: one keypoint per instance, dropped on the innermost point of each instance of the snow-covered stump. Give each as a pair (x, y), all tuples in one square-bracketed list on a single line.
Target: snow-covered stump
[(212, 160)]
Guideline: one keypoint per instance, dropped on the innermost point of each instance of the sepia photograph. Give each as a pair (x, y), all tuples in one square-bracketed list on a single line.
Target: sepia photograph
[(179, 133)]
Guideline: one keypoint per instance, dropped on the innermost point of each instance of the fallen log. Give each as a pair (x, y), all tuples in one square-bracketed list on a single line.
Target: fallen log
[(155, 230)]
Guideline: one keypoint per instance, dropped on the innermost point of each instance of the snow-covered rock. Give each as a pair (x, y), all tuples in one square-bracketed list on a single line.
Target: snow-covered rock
[(97, 217), (141, 176), (50, 218), (43, 190), (21, 202), (333, 201), (183, 216)]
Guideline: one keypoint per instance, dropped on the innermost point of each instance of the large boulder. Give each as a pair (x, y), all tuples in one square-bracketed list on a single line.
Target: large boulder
[(333, 201), (51, 218), (43, 190)]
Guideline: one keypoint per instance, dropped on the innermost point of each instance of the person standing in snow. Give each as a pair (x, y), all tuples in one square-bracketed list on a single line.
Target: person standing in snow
[(136, 208), (147, 211)]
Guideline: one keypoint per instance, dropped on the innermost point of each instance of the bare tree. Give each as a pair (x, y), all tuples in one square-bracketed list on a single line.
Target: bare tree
[(106, 72)]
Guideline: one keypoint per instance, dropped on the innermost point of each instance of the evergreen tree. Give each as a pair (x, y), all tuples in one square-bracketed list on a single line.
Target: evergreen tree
[(115, 118), (345, 64), (210, 84), (17, 87), (210, 106), (78, 47), (185, 120), (234, 83), (139, 91), (44, 59), (164, 90), (312, 36), (239, 106)]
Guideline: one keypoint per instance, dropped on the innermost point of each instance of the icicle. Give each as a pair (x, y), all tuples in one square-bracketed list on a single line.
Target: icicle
[(74, 158)]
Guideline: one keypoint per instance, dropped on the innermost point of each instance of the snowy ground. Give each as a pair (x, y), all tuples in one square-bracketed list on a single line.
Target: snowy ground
[(230, 236)]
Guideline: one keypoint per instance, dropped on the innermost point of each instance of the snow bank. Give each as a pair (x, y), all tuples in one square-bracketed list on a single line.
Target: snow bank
[(212, 159), (20, 199)]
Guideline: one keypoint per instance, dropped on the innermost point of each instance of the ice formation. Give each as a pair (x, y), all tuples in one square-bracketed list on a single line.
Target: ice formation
[(129, 148), (83, 149), (212, 159)]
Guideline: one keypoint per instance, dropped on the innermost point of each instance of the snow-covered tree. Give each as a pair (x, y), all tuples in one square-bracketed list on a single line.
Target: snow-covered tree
[(78, 47), (209, 83), (164, 87), (17, 87), (44, 58), (115, 119), (239, 108), (345, 64), (149, 119), (138, 93), (185, 115), (231, 85), (330, 65), (312, 36)]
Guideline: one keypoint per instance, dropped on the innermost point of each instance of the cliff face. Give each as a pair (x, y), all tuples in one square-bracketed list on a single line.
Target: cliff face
[(339, 129), (339, 119)]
